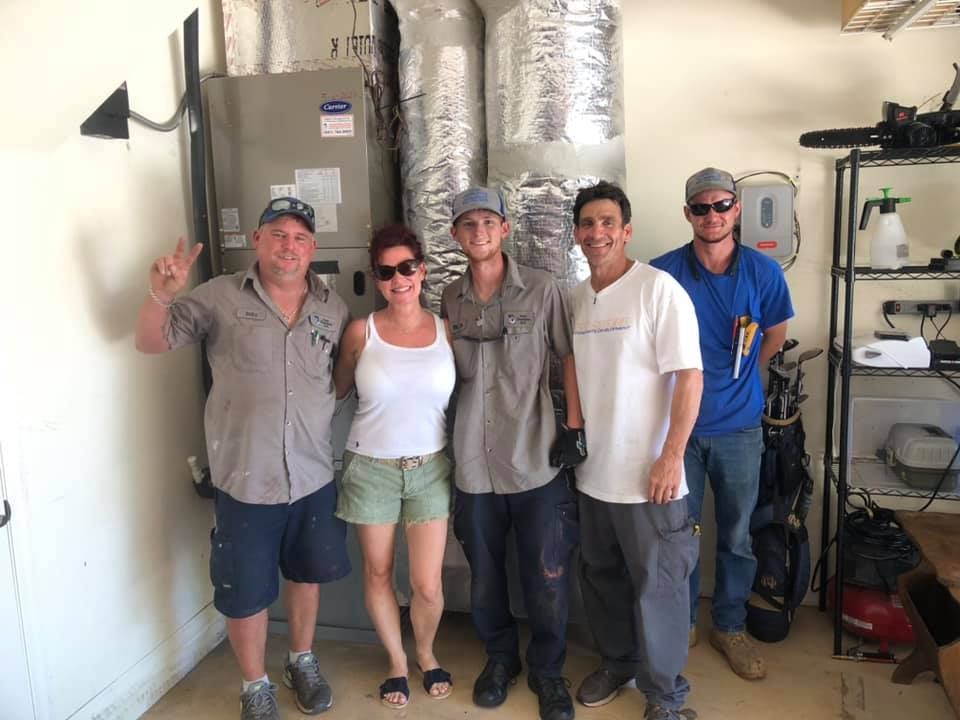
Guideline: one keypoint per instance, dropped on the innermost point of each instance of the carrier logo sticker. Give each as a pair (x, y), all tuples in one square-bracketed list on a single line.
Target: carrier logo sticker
[(248, 314), (336, 106), (321, 321)]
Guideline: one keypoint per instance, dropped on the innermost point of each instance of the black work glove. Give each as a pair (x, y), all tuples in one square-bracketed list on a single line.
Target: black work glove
[(569, 449)]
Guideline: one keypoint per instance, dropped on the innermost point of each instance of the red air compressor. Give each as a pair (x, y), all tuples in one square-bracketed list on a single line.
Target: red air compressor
[(876, 553), (873, 615)]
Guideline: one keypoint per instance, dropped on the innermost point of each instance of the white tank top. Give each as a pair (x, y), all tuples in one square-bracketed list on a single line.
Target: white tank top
[(402, 397)]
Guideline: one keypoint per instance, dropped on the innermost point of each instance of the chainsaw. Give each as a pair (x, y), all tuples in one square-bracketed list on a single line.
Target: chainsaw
[(902, 127)]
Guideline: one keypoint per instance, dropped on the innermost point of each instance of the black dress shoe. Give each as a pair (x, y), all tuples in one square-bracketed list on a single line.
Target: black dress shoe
[(554, 700), (490, 689)]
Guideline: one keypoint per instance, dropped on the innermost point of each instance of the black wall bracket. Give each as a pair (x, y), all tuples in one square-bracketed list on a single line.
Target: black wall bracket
[(109, 121)]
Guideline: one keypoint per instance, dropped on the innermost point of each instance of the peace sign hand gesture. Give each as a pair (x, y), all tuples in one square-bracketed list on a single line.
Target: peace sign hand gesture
[(168, 274)]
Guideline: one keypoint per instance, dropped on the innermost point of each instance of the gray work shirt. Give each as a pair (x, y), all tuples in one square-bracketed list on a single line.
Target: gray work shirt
[(267, 418), (505, 423)]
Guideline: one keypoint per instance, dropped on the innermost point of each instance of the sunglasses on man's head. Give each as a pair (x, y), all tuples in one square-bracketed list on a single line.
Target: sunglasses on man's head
[(719, 207), (285, 204), (406, 268)]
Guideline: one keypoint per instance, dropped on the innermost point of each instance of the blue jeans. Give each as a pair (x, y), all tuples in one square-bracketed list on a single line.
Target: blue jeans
[(732, 462), (544, 521)]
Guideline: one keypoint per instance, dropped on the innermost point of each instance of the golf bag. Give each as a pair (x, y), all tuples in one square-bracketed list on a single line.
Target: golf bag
[(780, 541)]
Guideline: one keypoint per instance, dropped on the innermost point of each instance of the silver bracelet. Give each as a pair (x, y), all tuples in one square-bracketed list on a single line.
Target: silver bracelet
[(156, 298)]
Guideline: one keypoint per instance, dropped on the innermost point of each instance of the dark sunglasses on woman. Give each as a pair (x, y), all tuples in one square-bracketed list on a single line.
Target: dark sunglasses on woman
[(406, 268), (719, 207)]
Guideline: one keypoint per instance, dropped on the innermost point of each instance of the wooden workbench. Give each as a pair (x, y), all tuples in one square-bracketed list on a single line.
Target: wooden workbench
[(931, 598)]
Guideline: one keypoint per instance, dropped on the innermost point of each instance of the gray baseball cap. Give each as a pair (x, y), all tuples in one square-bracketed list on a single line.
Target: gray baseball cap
[(710, 179), (479, 198)]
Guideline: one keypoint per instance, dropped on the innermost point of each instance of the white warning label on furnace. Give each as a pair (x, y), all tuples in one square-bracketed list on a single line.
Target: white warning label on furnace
[(282, 191), (234, 242), (318, 186), (333, 126), (229, 219)]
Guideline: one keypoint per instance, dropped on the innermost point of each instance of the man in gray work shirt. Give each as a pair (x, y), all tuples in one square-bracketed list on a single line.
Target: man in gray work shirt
[(271, 333), (506, 319)]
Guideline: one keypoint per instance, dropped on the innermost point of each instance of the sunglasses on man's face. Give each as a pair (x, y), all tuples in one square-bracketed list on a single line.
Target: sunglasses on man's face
[(719, 207), (406, 268)]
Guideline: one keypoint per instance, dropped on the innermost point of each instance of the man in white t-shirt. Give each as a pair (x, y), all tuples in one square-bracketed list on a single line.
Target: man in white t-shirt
[(637, 350)]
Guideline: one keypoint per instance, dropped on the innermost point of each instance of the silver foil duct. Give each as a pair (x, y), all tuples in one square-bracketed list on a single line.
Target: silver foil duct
[(554, 117), (443, 136), (279, 36)]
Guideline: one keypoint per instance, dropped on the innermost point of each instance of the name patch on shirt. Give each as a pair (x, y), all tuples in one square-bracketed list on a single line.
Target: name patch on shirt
[(250, 314)]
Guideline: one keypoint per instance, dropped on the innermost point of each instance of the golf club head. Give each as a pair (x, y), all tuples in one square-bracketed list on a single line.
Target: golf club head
[(809, 354), (780, 373)]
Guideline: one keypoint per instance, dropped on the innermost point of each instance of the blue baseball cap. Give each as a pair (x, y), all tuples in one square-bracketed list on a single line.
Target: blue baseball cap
[(278, 207), (479, 198)]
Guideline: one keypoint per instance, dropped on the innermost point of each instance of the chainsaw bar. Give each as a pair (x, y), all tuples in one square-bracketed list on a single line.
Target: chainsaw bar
[(844, 138)]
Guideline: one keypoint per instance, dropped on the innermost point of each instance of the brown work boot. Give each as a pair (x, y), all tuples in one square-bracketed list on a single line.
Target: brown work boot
[(741, 653)]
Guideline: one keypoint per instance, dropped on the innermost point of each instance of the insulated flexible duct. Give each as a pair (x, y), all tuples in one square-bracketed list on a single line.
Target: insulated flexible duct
[(443, 139), (554, 105)]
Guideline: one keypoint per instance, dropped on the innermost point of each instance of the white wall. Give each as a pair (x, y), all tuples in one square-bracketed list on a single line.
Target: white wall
[(112, 543), (734, 84)]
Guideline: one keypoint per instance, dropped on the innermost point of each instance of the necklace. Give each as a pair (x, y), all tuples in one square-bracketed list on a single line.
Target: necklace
[(289, 317)]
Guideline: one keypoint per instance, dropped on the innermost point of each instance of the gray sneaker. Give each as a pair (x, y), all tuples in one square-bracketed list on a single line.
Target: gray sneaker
[(659, 712), (313, 692), (259, 702), (600, 687)]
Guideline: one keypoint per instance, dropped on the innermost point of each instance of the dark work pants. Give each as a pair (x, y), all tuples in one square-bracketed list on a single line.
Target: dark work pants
[(635, 564), (544, 521)]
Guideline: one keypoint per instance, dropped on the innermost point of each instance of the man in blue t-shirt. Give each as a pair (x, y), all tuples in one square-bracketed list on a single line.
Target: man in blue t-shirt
[(743, 304)]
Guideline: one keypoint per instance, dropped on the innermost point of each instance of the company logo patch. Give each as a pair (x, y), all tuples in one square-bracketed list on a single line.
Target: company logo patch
[(336, 106)]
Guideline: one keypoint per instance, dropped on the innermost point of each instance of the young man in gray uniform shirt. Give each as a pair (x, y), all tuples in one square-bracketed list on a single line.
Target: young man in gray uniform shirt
[(271, 333), (506, 320)]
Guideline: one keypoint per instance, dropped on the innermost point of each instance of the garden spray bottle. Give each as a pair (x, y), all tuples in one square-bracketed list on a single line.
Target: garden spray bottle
[(889, 249)]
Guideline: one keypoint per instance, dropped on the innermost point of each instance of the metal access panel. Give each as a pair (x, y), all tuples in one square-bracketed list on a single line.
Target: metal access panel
[(311, 135), (766, 219)]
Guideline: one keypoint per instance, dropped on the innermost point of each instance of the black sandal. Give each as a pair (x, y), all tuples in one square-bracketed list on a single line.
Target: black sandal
[(434, 677), (394, 685)]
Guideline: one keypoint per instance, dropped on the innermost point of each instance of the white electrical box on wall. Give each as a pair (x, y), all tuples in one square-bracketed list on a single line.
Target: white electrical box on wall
[(766, 218)]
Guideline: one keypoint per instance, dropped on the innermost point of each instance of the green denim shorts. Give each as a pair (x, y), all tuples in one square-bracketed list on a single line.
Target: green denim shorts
[(378, 492)]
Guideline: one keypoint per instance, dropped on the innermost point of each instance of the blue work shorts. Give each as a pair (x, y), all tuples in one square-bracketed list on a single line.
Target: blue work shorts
[(251, 542)]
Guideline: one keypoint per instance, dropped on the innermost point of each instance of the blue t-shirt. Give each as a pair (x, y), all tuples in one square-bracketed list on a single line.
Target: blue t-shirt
[(752, 286)]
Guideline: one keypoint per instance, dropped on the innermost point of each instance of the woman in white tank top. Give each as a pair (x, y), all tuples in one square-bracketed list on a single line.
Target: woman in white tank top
[(396, 467)]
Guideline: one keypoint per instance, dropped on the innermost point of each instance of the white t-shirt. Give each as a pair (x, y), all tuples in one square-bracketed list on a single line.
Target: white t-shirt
[(628, 340)]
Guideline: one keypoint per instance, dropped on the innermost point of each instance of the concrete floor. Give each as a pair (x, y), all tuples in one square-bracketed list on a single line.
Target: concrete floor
[(803, 683)]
